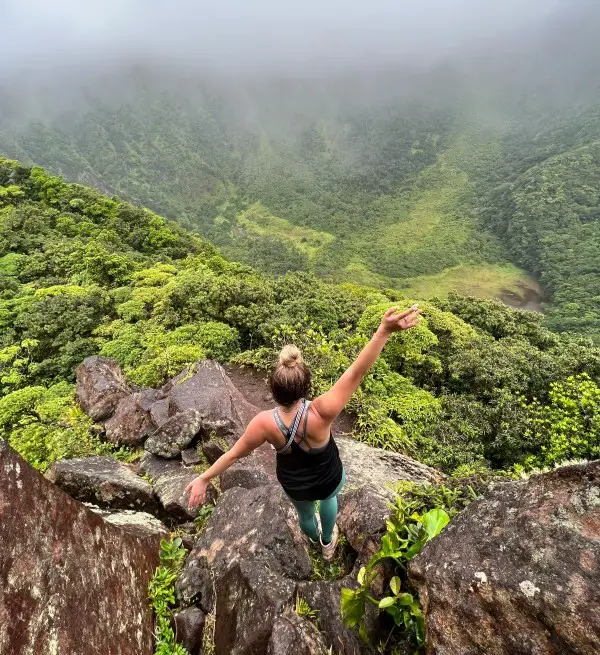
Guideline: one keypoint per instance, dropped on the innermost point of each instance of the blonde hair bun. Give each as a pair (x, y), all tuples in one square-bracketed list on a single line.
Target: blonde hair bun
[(290, 356)]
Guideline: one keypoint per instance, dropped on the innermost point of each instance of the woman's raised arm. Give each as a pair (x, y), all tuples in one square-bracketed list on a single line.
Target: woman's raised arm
[(332, 402)]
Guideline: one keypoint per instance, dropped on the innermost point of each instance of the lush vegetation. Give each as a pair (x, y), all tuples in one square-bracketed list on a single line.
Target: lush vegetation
[(161, 591), (542, 198), (418, 514), (382, 197), (475, 386)]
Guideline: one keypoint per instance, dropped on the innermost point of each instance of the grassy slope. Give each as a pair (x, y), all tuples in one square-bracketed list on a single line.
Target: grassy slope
[(423, 238), (430, 228)]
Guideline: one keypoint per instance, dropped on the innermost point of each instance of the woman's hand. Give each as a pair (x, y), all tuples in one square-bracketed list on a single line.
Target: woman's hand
[(197, 489), (394, 322)]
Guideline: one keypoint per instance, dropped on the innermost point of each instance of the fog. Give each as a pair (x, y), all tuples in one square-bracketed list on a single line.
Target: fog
[(264, 34), (49, 50)]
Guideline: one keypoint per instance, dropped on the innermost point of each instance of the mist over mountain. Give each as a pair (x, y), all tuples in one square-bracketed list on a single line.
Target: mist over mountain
[(383, 144)]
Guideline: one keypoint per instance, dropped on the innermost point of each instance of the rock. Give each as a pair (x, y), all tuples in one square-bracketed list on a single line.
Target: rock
[(213, 449), (250, 598), (325, 597), (169, 480), (362, 516), (100, 387), (149, 398), (295, 635), (205, 388), (159, 412), (175, 435), (71, 582), (103, 481), (130, 424), (519, 570), (248, 473), (139, 523), (247, 561), (190, 457), (377, 468), (189, 628)]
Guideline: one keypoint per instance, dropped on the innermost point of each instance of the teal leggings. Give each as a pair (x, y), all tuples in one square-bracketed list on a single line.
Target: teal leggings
[(327, 511)]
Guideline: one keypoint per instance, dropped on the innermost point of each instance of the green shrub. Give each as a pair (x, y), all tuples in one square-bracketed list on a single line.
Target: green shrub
[(568, 427), (161, 593), (44, 425), (418, 514)]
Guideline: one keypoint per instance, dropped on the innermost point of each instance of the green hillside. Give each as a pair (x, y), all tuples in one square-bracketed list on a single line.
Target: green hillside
[(475, 386), (376, 197), (402, 195)]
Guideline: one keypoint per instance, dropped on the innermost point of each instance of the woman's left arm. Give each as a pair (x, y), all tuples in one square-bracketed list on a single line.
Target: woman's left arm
[(253, 437)]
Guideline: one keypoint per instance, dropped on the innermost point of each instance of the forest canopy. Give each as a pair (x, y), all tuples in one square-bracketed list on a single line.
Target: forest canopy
[(475, 386)]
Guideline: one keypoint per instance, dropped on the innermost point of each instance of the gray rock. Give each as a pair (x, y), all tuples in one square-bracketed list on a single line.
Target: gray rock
[(138, 523), (325, 597), (100, 387), (205, 388), (518, 571), (130, 424), (190, 457), (175, 435), (362, 516), (103, 481), (295, 635), (169, 480), (213, 449), (248, 473), (159, 412), (250, 598), (149, 398), (379, 469), (189, 628), (247, 560), (69, 578)]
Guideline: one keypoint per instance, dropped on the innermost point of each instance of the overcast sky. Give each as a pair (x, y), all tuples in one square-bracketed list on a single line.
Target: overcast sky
[(267, 33)]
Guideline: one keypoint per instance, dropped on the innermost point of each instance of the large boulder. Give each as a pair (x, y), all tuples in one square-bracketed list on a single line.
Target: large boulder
[(296, 635), (71, 583), (175, 434), (169, 480), (205, 388), (325, 597), (518, 571), (100, 387), (250, 472), (362, 518), (103, 481), (130, 424), (380, 469), (247, 562), (141, 524)]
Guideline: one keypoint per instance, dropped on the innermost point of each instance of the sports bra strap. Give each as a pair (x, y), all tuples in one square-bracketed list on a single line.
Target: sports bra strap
[(290, 433)]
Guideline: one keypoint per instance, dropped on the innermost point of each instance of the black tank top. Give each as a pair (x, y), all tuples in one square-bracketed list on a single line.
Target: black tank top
[(311, 474)]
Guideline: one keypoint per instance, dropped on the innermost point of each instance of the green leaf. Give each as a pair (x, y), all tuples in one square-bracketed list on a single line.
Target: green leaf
[(395, 585), (388, 601), (434, 522), (405, 599), (352, 607), (361, 576)]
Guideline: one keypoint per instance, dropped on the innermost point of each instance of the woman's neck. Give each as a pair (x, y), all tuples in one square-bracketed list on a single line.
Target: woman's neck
[(289, 409)]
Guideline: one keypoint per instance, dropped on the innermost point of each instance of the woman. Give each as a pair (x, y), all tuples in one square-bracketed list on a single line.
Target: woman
[(308, 462)]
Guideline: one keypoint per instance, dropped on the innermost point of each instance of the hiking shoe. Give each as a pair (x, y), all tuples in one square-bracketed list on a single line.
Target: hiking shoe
[(329, 549)]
